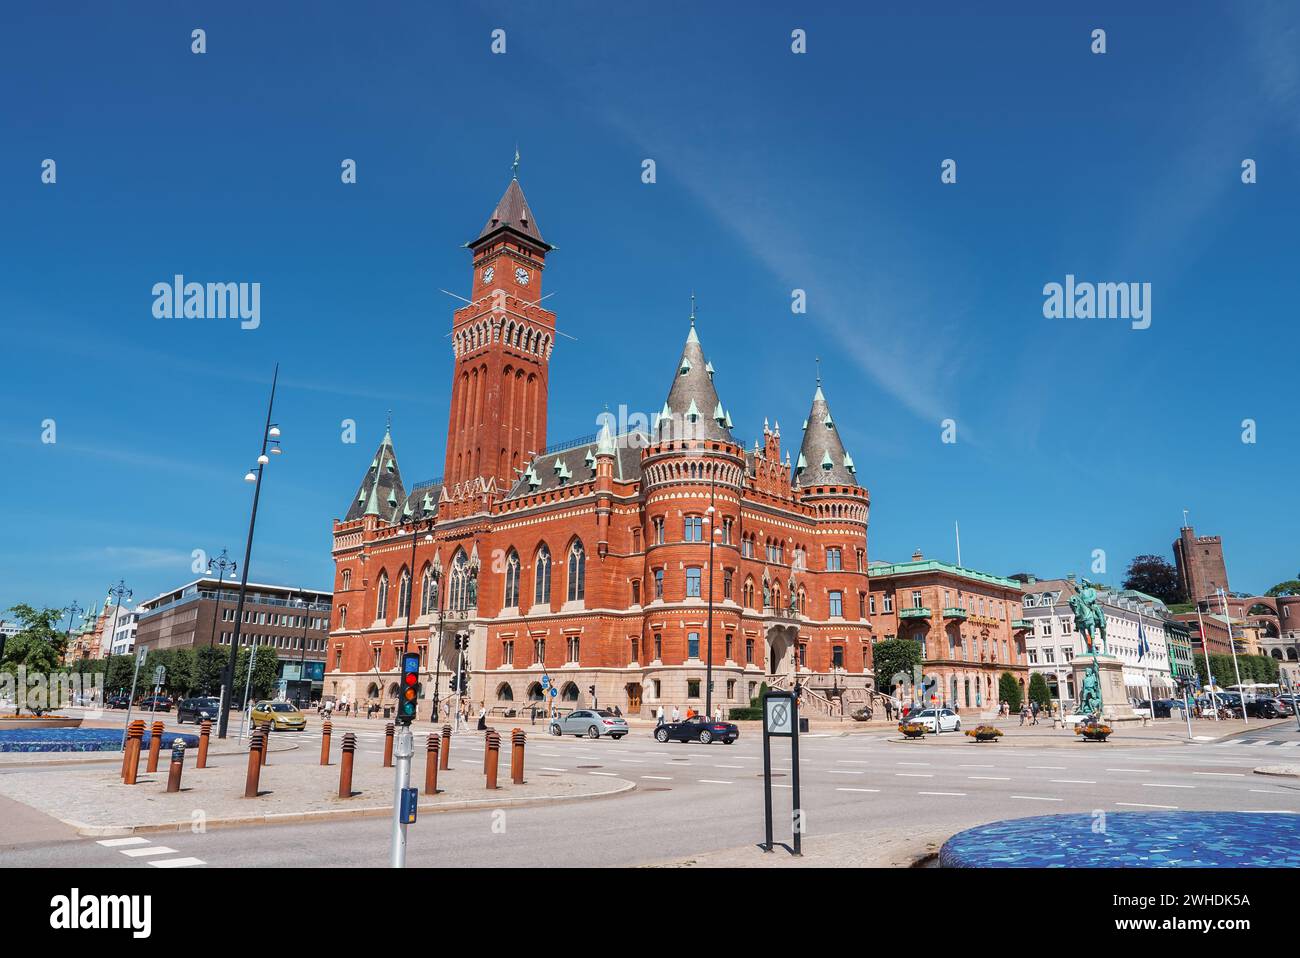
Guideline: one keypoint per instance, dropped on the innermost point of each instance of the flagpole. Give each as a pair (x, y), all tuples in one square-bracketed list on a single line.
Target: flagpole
[(1241, 691)]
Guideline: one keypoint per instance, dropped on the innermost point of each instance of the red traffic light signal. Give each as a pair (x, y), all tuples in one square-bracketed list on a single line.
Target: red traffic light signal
[(409, 688)]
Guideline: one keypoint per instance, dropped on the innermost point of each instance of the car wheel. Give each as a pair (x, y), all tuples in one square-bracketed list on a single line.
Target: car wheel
[(555, 730), (661, 735), (957, 727), (616, 737), (727, 741), (593, 732), (705, 737)]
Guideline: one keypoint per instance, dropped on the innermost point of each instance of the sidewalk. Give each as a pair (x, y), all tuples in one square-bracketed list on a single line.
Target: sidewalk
[(99, 804), (1159, 732)]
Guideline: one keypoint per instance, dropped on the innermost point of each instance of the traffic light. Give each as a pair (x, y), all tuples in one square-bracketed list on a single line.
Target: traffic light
[(591, 690), (410, 682)]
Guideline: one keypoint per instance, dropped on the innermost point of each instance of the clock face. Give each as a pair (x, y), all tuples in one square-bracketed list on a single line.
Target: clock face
[(521, 276), (488, 274)]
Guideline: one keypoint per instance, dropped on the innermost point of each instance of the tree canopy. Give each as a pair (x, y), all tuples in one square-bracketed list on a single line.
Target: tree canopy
[(1155, 576)]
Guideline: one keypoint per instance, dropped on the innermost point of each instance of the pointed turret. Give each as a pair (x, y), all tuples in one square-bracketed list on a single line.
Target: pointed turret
[(823, 460), (381, 489), (693, 409), (512, 213)]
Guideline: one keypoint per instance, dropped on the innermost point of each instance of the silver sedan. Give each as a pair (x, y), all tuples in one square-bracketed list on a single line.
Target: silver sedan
[(592, 723)]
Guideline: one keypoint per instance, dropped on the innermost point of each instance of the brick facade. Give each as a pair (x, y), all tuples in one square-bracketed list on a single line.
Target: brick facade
[(592, 563)]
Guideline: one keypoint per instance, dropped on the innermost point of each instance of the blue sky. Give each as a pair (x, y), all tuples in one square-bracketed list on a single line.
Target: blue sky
[(775, 171)]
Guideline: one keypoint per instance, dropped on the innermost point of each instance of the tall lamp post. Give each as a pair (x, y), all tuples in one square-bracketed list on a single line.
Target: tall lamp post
[(1232, 645), (271, 443), (708, 661), (302, 658), (118, 592), (222, 563), (73, 611)]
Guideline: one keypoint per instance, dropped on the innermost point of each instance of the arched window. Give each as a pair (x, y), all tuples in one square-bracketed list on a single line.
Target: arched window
[(459, 594), (505, 693), (404, 595), (569, 693), (512, 580), (577, 572), (347, 580), (535, 692), (542, 576), (381, 601), (343, 617), (428, 592), (749, 592)]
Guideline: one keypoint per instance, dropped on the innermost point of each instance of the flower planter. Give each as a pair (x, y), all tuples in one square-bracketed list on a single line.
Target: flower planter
[(984, 733), (1093, 733), (912, 730)]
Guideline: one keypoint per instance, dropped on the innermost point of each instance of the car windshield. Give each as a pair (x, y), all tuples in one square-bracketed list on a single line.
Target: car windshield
[(282, 707), (606, 713)]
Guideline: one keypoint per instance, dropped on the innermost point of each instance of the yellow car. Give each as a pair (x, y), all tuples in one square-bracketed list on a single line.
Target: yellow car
[(281, 716)]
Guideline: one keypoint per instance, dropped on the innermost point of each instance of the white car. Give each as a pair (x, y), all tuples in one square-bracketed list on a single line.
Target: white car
[(947, 720)]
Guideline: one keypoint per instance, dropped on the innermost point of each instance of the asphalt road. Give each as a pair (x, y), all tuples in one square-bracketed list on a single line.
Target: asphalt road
[(694, 798)]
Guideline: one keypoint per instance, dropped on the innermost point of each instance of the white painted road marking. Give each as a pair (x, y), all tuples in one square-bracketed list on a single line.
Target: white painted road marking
[(150, 850), (1163, 785), (1072, 781), (659, 778), (1038, 798), (118, 842), (1143, 805), (847, 789), (177, 862), (714, 781), (989, 778), (954, 794)]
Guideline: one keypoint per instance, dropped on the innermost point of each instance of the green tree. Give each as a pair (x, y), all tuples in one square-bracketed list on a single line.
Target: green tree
[(118, 673), (1038, 690), (1154, 576), (265, 665), (1009, 691), (38, 646), (1289, 587), (209, 663), (895, 660)]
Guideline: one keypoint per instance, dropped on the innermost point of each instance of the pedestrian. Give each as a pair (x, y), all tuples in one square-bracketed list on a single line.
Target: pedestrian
[(618, 711), (677, 715), (482, 716), (1033, 710), (1024, 714), (659, 716)]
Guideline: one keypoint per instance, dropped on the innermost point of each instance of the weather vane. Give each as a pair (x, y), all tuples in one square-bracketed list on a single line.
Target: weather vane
[(514, 167)]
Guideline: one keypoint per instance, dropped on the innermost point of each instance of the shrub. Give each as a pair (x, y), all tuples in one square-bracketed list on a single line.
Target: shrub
[(1009, 691)]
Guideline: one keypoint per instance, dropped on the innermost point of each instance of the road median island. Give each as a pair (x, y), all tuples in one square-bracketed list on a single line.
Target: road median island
[(98, 804)]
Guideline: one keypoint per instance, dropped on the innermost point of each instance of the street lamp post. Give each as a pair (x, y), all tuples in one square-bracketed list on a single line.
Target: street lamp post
[(118, 592), (1205, 650), (416, 523), (73, 611), (271, 442), (708, 662), (439, 591), (1232, 644), (222, 564), (302, 658)]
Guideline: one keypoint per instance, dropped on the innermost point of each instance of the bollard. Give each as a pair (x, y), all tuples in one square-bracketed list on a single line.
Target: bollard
[(444, 756), (178, 765), (131, 757), (388, 745), (205, 733), (517, 737), (325, 731), (345, 765), (431, 765), (155, 746), (266, 743), (256, 743), (492, 750)]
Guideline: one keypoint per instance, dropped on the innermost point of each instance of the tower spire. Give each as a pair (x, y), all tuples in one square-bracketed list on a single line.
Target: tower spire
[(514, 167)]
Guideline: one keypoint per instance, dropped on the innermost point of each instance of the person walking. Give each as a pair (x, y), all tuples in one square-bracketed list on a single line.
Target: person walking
[(482, 716), (659, 716), (1024, 714), (677, 715)]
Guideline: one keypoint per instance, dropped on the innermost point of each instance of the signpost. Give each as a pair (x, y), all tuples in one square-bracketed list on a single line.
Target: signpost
[(781, 720), (139, 661), (404, 796)]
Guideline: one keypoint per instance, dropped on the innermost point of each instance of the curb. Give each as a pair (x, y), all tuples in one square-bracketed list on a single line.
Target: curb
[(339, 814), (7, 766), (1279, 771)]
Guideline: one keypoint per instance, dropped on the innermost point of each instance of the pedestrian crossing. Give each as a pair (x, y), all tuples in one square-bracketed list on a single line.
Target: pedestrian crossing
[(142, 848), (1258, 743)]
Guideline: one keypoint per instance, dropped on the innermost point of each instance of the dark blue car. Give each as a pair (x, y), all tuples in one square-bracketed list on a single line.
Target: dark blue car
[(697, 728)]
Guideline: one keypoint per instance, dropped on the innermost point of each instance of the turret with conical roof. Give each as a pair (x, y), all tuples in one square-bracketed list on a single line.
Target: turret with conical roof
[(693, 409), (823, 461), (381, 488)]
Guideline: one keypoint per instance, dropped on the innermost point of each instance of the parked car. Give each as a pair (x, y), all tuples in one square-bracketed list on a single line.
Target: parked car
[(280, 715), (1268, 708), (698, 728), (592, 723), (118, 701), (197, 709), (156, 703), (947, 720), (1163, 707)]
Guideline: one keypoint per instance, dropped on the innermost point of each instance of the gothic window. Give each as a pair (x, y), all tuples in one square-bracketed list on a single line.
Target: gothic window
[(343, 617), (726, 583), (542, 576), (693, 583), (459, 595), (749, 592), (659, 583), (694, 531), (428, 598), (404, 595), (347, 579), (577, 572), (512, 580), (381, 601)]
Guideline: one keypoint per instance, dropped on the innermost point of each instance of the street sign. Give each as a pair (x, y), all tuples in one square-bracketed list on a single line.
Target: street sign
[(554, 691), (546, 681), (139, 659), (778, 716), (160, 675), (410, 798)]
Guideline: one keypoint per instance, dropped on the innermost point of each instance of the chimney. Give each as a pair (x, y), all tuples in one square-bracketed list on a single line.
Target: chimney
[(916, 556), (1070, 578)]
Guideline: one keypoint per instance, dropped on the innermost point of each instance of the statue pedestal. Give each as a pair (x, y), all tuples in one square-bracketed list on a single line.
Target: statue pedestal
[(1114, 694)]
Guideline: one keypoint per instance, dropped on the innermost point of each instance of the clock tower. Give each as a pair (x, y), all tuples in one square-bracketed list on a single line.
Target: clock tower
[(502, 342)]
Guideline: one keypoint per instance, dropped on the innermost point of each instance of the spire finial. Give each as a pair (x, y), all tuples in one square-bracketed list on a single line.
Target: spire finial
[(818, 360), (692, 308), (389, 427), (514, 167)]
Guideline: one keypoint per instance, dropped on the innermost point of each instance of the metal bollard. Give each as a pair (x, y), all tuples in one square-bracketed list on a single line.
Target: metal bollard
[(266, 743), (345, 765), (388, 745), (155, 746), (431, 765), (256, 744), (205, 733), (493, 753), (444, 756), (517, 738), (131, 757), (178, 765), (325, 731)]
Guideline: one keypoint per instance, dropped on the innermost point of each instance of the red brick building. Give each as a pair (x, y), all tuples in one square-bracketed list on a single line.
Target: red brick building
[(607, 563)]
